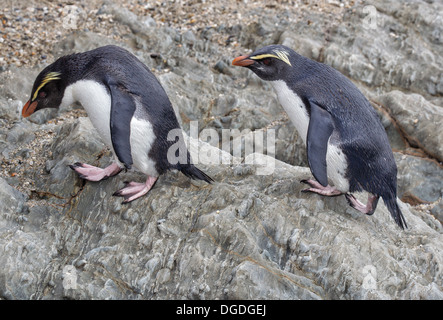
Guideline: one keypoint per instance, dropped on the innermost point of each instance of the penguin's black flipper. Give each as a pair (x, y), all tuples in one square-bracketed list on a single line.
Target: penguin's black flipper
[(319, 130), (122, 110)]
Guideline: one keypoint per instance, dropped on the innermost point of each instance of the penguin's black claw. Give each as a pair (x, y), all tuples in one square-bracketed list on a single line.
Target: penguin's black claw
[(74, 168), (117, 193), (313, 183), (134, 190), (75, 165), (92, 173), (309, 190), (316, 187), (348, 199), (124, 192)]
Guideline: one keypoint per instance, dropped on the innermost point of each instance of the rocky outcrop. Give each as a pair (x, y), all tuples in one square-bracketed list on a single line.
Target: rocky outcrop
[(245, 236), (252, 234), (419, 120)]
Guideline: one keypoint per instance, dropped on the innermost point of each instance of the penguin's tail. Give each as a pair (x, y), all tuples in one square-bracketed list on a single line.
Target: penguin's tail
[(193, 172), (394, 209)]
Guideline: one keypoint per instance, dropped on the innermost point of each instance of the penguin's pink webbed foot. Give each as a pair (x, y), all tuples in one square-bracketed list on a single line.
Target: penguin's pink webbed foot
[(91, 173), (319, 189), (134, 190), (368, 209)]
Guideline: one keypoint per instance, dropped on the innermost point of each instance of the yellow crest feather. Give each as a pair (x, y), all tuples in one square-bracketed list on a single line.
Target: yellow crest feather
[(49, 77), (281, 55)]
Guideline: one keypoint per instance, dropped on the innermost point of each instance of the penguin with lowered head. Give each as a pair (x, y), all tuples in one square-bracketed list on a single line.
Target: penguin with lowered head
[(127, 106)]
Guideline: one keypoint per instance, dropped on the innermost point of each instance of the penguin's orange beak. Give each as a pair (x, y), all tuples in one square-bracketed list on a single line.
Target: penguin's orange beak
[(29, 108), (242, 61)]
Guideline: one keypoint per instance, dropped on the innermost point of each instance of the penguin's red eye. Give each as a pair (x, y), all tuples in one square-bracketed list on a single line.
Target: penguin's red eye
[(42, 95), (267, 61)]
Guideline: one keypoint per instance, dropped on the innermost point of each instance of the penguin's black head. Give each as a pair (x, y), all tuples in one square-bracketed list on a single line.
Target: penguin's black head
[(269, 63), (47, 92)]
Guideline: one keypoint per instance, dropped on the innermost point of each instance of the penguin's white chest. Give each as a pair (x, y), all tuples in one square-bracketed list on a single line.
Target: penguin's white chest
[(295, 108), (96, 100)]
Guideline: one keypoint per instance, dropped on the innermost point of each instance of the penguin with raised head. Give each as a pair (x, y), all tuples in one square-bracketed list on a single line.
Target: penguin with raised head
[(129, 108), (347, 146)]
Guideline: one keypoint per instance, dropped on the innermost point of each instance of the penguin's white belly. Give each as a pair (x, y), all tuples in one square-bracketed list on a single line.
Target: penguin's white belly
[(336, 165), (335, 159), (142, 138), (96, 100)]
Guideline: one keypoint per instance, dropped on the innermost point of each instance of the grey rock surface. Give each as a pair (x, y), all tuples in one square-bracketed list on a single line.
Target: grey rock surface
[(249, 235), (420, 178), (382, 44), (419, 119)]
